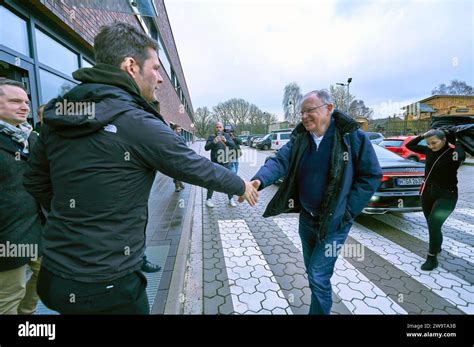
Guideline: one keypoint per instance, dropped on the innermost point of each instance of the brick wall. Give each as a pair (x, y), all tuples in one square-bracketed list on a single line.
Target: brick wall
[(83, 24)]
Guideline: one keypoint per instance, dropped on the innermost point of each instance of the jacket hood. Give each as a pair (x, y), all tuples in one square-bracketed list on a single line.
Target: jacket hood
[(344, 123), (106, 93), (108, 74)]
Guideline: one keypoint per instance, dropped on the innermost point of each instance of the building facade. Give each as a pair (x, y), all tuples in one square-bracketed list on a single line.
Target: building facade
[(449, 105), (43, 41), (278, 126)]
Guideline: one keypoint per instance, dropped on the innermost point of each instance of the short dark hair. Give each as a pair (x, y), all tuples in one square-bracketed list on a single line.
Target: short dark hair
[(435, 132), (116, 41), (7, 82)]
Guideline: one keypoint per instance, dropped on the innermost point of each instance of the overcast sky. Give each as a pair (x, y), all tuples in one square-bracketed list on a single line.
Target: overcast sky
[(395, 51)]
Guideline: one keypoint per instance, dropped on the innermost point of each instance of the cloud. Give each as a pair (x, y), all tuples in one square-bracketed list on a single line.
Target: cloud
[(252, 49)]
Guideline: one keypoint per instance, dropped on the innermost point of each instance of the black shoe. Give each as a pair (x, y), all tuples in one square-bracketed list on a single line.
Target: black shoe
[(431, 263), (150, 267)]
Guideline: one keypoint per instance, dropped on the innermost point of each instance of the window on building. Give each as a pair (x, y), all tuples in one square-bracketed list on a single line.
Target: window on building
[(49, 50), (164, 58), (174, 80), (13, 32), (86, 63), (53, 86)]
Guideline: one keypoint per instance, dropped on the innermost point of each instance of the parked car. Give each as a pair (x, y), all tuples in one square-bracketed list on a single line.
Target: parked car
[(375, 138), (255, 139), (397, 145), (251, 137), (265, 143), (280, 138), (399, 189), (243, 138)]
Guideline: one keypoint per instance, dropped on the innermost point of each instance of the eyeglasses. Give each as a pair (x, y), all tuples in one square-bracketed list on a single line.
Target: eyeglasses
[(311, 110)]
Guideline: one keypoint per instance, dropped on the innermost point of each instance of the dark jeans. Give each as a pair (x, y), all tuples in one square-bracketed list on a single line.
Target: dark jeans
[(437, 204), (228, 166), (125, 295), (318, 262)]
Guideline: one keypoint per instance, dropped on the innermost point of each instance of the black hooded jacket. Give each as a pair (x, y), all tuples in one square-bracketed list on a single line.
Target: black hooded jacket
[(93, 167)]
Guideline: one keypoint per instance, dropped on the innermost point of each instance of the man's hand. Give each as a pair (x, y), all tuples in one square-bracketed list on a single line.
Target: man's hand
[(250, 187), (256, 183), (217, 139)]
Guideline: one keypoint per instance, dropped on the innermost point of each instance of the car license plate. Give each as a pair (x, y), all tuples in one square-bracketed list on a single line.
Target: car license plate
[(410, 181)]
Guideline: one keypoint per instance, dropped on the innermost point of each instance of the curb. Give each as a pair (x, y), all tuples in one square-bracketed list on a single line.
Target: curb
[(175, 299), (176, 296), (469, 162)]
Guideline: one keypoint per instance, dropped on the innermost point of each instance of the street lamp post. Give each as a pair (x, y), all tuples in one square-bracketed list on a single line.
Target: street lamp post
[(265, 120), (349, 80)]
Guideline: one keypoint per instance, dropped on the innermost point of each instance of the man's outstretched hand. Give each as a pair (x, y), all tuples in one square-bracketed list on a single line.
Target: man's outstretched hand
[(251, 193)]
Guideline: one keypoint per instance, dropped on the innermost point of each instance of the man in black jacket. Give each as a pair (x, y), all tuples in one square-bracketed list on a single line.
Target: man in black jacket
[(93, 168), (221, 145), (20, 224)]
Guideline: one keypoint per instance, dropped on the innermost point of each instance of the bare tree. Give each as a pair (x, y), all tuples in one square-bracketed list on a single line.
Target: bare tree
[(358, 109), (268, 119), (455, 88), (341, 97), (203, 122), (292, 98), (233, 111)]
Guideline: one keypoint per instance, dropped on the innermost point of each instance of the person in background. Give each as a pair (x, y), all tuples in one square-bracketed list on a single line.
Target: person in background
[(237, 152), (439, 193), (20, 215), (39, 124), (220, 144)]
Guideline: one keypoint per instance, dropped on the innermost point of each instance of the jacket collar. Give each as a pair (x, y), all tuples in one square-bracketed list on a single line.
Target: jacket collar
[(7, 144), (344, 123)]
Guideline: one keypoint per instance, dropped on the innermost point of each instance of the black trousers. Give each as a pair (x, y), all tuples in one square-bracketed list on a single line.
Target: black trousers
[(209, 194), (438, 204), (125, 295)]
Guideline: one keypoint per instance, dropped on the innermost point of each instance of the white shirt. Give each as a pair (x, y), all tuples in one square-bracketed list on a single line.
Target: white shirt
[(317, 139)]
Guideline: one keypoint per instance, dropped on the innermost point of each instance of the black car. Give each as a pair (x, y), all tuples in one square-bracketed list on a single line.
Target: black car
[(399, 189), (252, 139), (265, 143), (243, 138)]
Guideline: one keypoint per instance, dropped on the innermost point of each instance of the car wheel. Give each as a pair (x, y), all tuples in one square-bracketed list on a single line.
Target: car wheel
[(414, 158)]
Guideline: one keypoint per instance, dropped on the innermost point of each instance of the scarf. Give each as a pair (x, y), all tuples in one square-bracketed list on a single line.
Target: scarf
[(18, 133)]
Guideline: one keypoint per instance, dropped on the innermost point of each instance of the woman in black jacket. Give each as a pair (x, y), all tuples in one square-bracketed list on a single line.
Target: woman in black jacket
[(439, 192)]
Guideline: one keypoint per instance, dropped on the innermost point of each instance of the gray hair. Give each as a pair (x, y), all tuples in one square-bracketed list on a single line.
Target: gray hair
[(117, 41), (7, 82), (321, 94), (435, 132)]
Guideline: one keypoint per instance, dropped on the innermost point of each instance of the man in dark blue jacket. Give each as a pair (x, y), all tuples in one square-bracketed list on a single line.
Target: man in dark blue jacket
[(331, 172)]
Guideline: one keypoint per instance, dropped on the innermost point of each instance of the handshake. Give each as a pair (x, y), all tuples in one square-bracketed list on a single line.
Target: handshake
[(251, 192)]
